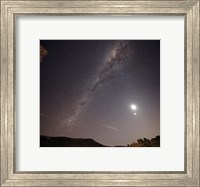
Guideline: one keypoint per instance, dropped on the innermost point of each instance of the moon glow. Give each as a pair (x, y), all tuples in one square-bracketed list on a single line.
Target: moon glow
[(133, 107)]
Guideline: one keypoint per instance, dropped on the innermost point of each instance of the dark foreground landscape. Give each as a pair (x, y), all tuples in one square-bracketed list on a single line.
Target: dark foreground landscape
[(47, 141)]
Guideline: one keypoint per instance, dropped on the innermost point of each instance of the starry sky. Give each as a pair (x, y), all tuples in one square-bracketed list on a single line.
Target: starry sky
[(107, 90)]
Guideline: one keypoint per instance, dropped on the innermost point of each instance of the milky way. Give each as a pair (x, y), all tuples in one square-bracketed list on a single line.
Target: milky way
[(114, 63)]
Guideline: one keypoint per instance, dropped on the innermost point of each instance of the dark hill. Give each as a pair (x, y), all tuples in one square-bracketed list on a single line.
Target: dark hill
[(46, 141)]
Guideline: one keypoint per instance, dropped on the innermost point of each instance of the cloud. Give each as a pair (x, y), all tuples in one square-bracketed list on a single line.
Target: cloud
[(112, 128)]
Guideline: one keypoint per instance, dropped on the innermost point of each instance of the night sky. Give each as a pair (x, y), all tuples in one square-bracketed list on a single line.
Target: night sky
[(107, 90)]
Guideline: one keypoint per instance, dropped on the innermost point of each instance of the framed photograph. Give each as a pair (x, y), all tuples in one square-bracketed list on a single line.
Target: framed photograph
[(100, 81), (99, 93)]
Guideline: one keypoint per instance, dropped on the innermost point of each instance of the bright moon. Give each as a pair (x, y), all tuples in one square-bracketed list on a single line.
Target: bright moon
[(133, 107)]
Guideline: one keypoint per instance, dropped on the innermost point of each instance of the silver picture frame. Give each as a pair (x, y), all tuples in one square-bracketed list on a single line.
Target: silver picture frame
[(10, 9)]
